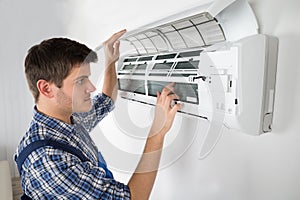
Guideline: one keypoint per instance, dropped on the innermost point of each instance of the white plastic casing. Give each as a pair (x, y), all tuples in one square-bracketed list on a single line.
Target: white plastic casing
[(219, 62)]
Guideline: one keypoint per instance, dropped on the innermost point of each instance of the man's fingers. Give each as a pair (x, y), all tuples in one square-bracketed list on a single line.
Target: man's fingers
[(170, 84), (167, 90), (158, 96), (111, 47), (116, 48), (175, 108), (173, 97), (116, 36), (121, 32)]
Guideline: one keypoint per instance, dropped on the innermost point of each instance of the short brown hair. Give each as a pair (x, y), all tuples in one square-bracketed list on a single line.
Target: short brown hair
[(53, 59)]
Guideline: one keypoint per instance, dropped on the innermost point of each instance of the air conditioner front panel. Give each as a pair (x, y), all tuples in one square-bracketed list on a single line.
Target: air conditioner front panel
[(216, 58)]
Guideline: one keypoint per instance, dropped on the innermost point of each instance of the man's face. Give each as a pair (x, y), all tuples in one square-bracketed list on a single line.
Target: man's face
[(75, 94)]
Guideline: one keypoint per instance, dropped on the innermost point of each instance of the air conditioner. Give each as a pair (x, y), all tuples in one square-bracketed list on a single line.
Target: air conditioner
[(213, 53)]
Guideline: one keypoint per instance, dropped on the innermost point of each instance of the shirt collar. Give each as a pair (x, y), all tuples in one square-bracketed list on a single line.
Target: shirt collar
[(52, 122)]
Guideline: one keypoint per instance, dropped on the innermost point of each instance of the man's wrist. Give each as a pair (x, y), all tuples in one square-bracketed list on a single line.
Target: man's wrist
[(110, 65), (157, 135)]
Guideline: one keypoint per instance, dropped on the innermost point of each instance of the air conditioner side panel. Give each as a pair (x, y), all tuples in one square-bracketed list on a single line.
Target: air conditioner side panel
[(257, 66)]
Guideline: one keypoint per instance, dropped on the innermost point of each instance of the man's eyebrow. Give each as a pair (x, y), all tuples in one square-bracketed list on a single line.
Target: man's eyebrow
[(81, 77)]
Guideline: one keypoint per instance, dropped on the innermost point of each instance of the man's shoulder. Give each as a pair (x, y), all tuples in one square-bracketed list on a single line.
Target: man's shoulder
[(34, 132), (37, 131)]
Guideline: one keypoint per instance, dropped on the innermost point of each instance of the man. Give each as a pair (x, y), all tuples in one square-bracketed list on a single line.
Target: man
[(57, 72)]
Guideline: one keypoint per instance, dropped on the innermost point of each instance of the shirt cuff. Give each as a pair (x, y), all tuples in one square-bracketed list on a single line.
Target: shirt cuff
[(105, 100)]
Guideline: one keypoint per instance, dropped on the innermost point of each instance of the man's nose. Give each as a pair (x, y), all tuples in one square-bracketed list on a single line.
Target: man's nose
[(91, 87)]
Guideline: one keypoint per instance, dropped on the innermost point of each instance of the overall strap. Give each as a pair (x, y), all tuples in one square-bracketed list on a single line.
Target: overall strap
[(42, 143), (103, 165), (47, 142)]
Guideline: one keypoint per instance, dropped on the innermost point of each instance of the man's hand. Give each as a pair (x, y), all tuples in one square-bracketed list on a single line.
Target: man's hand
[(111, 53), (164, 113), (111, 48)]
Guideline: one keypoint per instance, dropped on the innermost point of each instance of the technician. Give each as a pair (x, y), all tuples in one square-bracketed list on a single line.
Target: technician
[(57, 159)]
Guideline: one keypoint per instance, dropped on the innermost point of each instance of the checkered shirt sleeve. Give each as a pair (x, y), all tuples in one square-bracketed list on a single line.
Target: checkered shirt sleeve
[(102, 105)]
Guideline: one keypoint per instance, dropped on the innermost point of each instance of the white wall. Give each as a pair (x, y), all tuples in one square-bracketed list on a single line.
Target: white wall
[(241, 167), (23, 23)]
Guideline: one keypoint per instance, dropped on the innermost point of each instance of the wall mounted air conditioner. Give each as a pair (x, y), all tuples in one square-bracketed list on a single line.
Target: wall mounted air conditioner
[(215, 56)]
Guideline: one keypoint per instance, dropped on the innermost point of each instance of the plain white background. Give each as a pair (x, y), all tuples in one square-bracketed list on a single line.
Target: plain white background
[(241, 167)]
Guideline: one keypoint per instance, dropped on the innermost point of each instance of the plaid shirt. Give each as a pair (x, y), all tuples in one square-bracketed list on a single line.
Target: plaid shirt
[(50, 173)]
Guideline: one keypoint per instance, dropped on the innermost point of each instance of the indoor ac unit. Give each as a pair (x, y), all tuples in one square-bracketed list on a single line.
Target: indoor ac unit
[(213, 53)]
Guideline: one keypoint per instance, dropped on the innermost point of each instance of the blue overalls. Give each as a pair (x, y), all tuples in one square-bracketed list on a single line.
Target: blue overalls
[(57, 145)]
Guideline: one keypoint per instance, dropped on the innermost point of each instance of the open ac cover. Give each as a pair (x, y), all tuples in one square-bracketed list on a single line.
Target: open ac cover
[(215, 56)]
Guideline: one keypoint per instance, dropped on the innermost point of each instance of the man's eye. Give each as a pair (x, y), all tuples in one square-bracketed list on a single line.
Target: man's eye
[(80, 81)]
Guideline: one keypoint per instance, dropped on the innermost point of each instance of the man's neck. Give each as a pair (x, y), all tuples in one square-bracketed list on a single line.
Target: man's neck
[(50, 111)]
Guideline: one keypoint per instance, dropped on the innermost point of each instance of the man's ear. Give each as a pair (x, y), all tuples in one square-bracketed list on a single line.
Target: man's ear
[(45, 88)]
